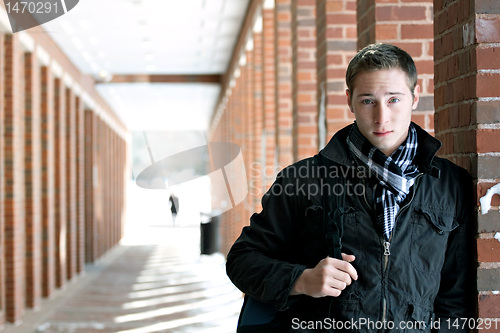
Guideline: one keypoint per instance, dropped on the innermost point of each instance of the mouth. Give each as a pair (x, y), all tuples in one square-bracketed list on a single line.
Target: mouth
[(382, 133)]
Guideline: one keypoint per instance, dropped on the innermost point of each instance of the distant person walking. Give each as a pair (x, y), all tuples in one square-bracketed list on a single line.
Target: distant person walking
[(174, 206)]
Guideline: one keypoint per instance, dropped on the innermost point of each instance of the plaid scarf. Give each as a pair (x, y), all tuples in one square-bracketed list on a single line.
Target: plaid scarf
[(396, 173)]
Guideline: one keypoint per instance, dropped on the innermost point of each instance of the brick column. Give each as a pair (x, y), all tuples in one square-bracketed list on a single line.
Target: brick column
[(90, 222), (468, 117), (250, 121), (408, 25), (259, 152), (33, 180), (2, 182), (80, 191), (269, 76), (106, 180), (48, 181), (70, 184), (60, 182), (305, 106), (336, 24), (115, 160), (14, 209), (99, 187), (284, 121)]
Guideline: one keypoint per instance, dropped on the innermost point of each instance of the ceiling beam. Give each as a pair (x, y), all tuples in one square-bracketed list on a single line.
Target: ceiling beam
[(167, 78)]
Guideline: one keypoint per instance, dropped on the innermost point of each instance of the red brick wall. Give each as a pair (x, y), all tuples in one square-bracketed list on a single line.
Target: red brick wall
[(305, 107), (2, 185), (269, 93), (467, 117), (283, 18), (32, 173), (250, 146), (80, 179), (258, 170), (14, 227), (336, 26), (70, 168), (48, 181), (60, 183), (90, 218)]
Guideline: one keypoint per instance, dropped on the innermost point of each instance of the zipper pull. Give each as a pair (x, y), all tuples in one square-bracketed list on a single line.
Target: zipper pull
[(387, 246)]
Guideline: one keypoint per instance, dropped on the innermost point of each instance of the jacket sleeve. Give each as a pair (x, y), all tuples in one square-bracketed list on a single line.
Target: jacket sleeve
[(456, 299), (259, 262)]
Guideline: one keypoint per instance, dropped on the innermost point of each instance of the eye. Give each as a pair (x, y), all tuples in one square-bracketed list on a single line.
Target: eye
[(366, 101), (394, 100)]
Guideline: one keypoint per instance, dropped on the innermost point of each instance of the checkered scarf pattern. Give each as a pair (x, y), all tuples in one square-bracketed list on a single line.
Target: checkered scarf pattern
[(396, 173)]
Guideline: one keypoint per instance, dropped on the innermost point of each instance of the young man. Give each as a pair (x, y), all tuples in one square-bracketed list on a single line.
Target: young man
[(406, 224)]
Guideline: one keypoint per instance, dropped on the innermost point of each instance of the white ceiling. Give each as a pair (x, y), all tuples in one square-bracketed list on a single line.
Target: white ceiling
[(106, 37)]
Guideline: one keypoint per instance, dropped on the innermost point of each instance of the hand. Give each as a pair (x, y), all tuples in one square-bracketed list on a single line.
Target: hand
[(328, 278)]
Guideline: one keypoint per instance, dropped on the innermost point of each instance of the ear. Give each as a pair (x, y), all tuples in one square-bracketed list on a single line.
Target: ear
[(416, 97), (349, 102)]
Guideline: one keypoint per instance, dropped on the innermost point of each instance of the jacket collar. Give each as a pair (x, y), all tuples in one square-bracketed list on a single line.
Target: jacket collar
[(337, 151)]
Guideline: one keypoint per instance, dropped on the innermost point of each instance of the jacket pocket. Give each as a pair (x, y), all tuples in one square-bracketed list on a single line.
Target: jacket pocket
[(419, 320), (344, 313), (430, 231)]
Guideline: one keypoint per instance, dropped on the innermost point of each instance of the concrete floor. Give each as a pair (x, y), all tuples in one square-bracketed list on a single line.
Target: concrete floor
[(155, 281)]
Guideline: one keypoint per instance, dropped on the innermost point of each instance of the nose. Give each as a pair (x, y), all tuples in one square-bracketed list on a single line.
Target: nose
[(381, 113)]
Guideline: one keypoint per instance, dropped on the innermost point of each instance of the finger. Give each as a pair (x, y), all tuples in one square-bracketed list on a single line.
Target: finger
[(346, 267), (340, 279), (330, 291), (348, 257), (339, 285)]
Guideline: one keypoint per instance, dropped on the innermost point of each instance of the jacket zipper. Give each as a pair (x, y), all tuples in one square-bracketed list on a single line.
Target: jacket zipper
[(387, 245)]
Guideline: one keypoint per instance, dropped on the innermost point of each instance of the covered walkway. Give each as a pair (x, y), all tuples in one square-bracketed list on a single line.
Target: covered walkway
[(154, 281), (85, 96)]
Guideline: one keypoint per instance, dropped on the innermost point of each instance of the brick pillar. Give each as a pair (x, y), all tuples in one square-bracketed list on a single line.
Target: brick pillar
[(60, 182), (48, 181), (250, 121), (468, 116), (90, 222), (259, 152), (99, 187), (408, 25), (111, 168), (114, 192), (305, 106), (269, 76), (2, 183), (70, 184), (14, 180), (33, 180), (80, 191), (337, 35), (284, 121), (106, 182), (122, 177), (124, 180), (104, 179)]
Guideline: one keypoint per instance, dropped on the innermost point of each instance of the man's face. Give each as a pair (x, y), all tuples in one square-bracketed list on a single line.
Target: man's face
[(382, 103)]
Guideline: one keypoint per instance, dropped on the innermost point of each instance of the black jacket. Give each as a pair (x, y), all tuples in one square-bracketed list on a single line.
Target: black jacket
[(429, 274)]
